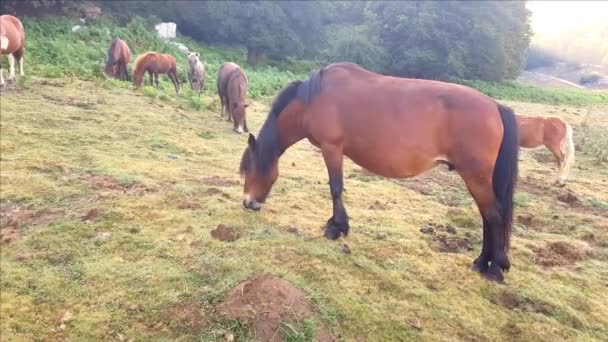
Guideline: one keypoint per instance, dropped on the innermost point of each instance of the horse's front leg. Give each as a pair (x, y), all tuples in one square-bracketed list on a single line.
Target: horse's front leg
[(338, 223)]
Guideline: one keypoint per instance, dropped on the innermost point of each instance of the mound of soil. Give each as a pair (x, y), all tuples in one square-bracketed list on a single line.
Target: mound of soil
[(560, 253), (265, 302), (225, 233), (105, 182), (91, 215), (567, 196), (377, 205)]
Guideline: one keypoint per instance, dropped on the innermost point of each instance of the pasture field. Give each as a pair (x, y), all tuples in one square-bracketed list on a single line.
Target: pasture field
[(109, 197)]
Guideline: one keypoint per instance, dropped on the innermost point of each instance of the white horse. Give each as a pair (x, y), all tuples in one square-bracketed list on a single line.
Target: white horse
[(196, 72)]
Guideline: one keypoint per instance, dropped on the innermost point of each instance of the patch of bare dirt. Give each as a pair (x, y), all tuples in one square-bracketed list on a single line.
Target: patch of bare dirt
[(225, 233), (525, 219), (13, 216), (377, 205), (188, 204), (218, 181), (105, 182), (266, 302), (91, 215), (186, 315), (560, 253), (452, 244), (513, 300)]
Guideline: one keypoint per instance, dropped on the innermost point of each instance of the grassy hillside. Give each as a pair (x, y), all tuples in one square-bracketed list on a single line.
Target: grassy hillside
[(55, 51), (109, 197)]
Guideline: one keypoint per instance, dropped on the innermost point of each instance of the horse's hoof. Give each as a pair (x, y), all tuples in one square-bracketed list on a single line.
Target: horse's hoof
[(479, 266), (493, 273), (334, 230)]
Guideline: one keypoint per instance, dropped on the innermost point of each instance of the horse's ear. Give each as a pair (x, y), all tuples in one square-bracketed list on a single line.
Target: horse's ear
[(251, 142)]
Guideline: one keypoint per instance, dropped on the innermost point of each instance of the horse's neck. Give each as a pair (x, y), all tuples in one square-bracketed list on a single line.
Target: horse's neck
[(290, 126)]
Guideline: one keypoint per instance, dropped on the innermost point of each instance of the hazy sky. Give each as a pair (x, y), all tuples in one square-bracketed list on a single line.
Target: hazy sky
[(552, 17)]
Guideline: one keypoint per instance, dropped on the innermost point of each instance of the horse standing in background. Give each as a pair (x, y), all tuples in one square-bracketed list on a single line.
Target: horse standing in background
[(232, 84), (196, 72), (555, 134), (155, 63), (119, 56), (398, 128), (12, 44)]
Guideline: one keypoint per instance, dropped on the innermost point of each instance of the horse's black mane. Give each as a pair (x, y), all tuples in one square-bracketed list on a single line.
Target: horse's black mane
[(267, 149)]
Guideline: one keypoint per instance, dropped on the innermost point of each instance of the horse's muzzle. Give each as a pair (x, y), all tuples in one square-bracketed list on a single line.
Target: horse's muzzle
[(252, 204)]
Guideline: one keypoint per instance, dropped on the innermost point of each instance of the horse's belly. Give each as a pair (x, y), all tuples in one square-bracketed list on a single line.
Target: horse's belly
[(397, 165)]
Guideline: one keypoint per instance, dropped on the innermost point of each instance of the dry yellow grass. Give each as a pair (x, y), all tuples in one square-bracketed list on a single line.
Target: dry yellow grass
[(109, 197)]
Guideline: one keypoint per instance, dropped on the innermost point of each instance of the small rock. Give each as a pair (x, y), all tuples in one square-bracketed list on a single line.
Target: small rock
[(229, 337), (67, 316), (416, 323), (555, 217), (103, 236), (172, 156), (293, 164), (345, 249), (293, 230), (427, 230)]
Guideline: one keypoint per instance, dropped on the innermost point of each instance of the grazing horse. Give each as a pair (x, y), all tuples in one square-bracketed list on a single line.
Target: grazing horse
[(119, 56), (196, 72), (398, 128), (555, 134), (155, 63), (232, 86), (12, 44)]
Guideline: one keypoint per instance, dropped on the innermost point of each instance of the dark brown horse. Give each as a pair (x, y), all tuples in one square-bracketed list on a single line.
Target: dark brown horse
[(12, 44), (232, 86), (398, 128), (555, 134), (119, 56), (155, 63)]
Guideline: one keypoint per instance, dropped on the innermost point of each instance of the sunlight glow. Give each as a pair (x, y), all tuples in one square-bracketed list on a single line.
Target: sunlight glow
[(553, 17)]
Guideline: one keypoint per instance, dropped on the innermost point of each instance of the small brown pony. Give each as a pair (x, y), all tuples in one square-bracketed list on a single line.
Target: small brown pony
[(398, 128), (155, 63), (232, 86), (12, 44), (196, 72), (555, 134), (119, 56)]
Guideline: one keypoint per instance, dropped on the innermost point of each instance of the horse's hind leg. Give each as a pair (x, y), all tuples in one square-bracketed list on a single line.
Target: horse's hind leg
[(151, 78), (19, 57), (338, 223), (493, 258), (11, 62), (156, 80)]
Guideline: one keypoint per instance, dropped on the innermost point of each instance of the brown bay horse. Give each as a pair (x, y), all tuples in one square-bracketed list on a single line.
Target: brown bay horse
[(196, 72), (12, 44), (555, 134), (397, 128), (119, 56), (155, 63), (232, 84)]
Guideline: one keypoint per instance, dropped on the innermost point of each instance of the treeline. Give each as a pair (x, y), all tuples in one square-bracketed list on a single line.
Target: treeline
[(483, 40)]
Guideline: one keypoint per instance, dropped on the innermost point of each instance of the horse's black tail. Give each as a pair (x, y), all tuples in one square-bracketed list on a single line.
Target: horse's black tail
[(505, 170)]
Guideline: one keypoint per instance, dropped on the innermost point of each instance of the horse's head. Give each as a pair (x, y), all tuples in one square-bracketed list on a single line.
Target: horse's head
[(193, 58), (259, 178), (111, 67)]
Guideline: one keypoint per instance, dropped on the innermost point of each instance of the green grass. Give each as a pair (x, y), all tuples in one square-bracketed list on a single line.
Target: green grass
[(514, 91), (145, 267), (55, 51)]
